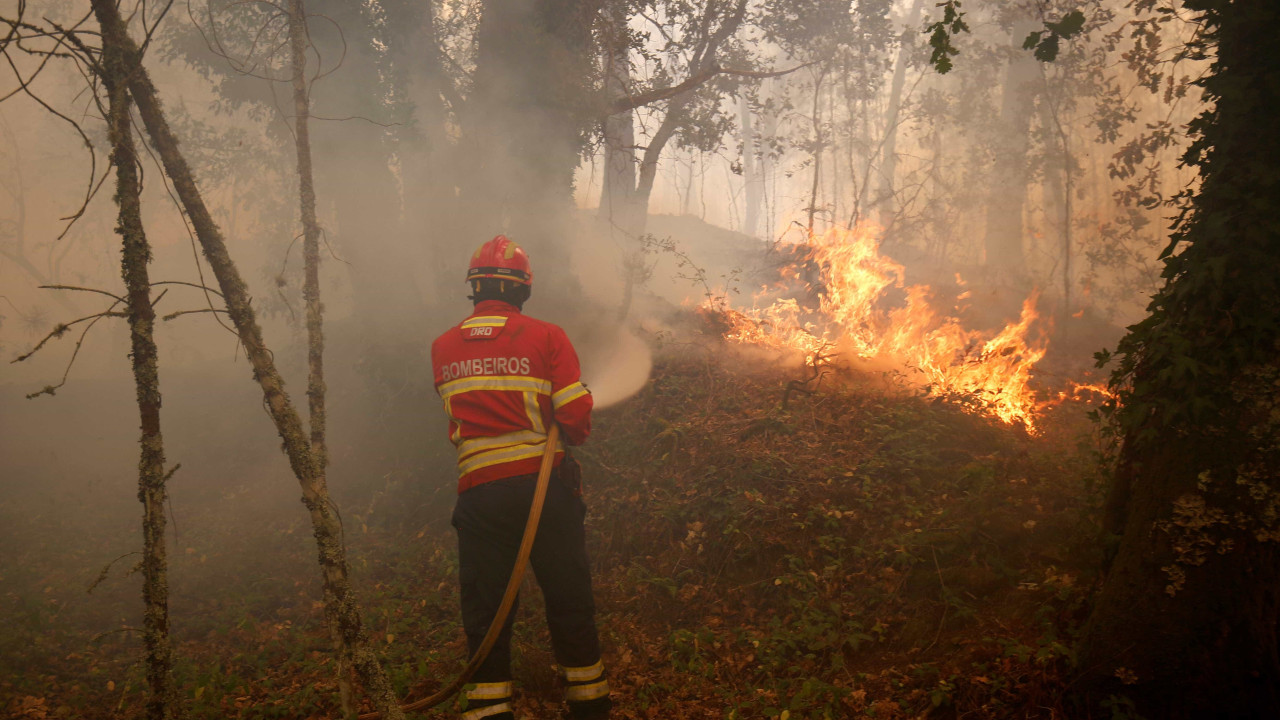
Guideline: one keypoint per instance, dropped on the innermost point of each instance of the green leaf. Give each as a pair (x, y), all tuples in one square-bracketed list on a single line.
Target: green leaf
[(1047, 50), (940, 34), (1045, 42), (1070, 24)]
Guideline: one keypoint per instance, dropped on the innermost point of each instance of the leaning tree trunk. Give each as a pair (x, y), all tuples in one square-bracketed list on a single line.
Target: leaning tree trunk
[(341, 610), (146, 377), (1185, 625)]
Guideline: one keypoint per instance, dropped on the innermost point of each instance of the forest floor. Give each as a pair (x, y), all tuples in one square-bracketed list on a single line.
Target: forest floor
[(866, 552)]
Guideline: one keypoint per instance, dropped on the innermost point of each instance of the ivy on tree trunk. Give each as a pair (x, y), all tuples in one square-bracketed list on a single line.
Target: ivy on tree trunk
[(1185, 625)]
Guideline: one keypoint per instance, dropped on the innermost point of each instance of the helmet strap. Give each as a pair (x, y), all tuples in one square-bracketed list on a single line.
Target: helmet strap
[(514, 293)]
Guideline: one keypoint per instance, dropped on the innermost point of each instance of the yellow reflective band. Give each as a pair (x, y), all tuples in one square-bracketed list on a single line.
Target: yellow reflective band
[(489, 691), (583, 674), (582, 693), (484, 321), (503, 455), (485, 712), (534, 412), (514, 383), (568, 394), (496, 457), (455, 434), (496, 442)]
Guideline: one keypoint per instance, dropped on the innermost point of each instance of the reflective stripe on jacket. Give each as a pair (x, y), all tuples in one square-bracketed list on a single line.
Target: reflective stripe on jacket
[(503, 377)]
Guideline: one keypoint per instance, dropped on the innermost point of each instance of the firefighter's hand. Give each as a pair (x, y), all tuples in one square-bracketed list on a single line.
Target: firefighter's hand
[(571, 474)]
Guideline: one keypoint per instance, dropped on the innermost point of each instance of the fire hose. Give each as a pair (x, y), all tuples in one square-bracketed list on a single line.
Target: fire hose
[(513, 586)]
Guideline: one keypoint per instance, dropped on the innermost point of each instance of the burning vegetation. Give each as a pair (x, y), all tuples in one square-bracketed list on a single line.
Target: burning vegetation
[(864, 309)]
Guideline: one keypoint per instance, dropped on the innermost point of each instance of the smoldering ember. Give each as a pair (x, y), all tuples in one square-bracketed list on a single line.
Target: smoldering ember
[(640, 359)]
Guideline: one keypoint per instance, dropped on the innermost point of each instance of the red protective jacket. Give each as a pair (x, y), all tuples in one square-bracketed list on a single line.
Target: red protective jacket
[(504, 377)]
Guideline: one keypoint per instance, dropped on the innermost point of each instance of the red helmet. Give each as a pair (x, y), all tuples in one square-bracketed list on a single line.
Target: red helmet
[(503, 259)]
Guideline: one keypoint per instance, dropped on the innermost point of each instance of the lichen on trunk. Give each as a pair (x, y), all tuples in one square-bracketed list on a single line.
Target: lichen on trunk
[(298, 44), (136, 252), (341, 609)]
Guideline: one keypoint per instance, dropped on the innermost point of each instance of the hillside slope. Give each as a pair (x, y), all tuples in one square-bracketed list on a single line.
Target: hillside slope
[(865, 553)]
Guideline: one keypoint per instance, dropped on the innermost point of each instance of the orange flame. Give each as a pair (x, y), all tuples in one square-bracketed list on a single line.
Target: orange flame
[(989, 375), (1087, 392)]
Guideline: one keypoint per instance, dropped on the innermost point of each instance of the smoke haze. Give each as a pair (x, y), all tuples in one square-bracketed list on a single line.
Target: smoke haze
[(419, 159)]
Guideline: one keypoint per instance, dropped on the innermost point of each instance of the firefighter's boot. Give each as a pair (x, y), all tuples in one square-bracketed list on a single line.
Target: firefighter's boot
[(587, 692), (488, 701)]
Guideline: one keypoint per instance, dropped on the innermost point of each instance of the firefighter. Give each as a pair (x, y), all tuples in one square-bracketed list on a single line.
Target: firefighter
[(504, 378)]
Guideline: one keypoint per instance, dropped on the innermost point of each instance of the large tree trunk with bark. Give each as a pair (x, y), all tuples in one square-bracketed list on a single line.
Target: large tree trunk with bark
[(524, 124), (618, 189), (341, 610), (1185, 625), (136, 253)]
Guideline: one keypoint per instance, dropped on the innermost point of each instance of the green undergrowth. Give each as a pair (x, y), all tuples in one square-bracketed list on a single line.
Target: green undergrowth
[(865, 553)]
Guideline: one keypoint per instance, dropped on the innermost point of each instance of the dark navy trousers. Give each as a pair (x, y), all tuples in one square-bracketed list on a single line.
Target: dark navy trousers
[(490, 519)]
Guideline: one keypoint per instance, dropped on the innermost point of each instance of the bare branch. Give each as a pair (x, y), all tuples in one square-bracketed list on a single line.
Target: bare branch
[(82, 289), (61, 329), (24, 87), (325, 234), (691, 83), (341, 58), (106, 570), (150, 32), (197, 286), (52, 389), (179, 313), (353, 117)]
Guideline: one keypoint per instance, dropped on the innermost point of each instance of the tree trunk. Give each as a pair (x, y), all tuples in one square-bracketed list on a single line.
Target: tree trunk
[(819, 142), (1003, 241), (768, 127), (162, 702), (1185, 625), (752, 172), (653, 153), (618, 190), (885, 204), (523, 127), (1059, 185), (341, 610), (298, 44)]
